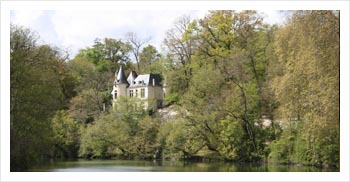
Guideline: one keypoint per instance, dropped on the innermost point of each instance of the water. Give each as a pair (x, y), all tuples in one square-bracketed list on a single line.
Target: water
[(167, 166)]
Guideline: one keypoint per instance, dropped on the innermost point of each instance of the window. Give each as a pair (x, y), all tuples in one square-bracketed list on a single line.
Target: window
[(142, 93), (136, 93), (115, 94), (131, 94)]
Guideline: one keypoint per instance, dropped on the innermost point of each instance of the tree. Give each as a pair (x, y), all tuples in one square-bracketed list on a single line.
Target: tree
[(179, 141), (221, 33), (86, 106), (66, 135), (307, 88), (220, 44), (36, 93), (145, 140), (105, 138), (125, 132), (106, 55), (148, 57), (202, 102), (180, 45), (136, 45)]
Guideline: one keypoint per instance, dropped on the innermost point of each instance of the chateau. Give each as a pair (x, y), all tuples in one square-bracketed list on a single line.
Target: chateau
[(145, 87)]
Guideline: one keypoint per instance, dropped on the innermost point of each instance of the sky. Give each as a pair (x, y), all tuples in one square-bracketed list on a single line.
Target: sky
[(75, 30)]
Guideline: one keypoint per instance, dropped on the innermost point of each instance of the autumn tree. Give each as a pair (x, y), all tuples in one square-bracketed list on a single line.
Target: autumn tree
[(307, 89)]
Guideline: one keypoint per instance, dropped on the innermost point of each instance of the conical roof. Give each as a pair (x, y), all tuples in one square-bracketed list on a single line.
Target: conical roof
[(132, 76), (120, 76)]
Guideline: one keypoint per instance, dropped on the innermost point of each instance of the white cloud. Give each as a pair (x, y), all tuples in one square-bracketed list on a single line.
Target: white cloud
[(26, 18), (78, 29), (273, 17)]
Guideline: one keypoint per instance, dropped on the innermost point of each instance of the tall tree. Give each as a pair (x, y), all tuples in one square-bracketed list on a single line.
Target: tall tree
[(180, 44), (36, 94), (106, 55), (307, 89), (148, 57), (136, 45)]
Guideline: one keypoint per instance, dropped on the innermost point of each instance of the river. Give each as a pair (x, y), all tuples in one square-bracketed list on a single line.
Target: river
[(168, 166)]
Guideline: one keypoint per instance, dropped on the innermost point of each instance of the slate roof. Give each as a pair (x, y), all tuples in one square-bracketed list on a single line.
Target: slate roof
[(138, 80), (120, 76), (147, 80), (132, 76)]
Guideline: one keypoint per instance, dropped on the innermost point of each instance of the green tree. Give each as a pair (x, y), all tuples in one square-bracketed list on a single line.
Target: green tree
[(178, 140), (106, 55), (66, 135), (125, 132), (105, 138), (146, 138), (234, 45), (181, 47), (148, 57), (203, 102), (36, 93), (86, 106)]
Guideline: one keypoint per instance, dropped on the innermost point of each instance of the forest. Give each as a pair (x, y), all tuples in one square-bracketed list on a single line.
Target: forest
[(244, 91)]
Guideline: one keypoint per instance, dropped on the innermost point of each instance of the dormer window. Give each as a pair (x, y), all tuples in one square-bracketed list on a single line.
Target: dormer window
[(140, 82)]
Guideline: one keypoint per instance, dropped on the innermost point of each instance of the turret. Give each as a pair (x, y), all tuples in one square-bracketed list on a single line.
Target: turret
[(120, 84), (132, 76), (120, 77)]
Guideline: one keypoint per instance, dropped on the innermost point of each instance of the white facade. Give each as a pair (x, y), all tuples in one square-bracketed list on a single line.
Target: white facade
[(145, 87)]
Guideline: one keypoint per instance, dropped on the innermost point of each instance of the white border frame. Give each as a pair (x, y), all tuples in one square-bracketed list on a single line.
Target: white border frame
[(6, 6)]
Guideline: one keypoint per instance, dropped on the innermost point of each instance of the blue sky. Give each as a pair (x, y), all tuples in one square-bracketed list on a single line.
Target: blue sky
[(74, 30)]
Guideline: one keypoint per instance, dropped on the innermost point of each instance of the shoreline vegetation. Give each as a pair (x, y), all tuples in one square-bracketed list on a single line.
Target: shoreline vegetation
[(237, 90)]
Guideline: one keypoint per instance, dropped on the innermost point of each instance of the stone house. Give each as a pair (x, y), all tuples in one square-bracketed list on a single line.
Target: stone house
[(144, 87)]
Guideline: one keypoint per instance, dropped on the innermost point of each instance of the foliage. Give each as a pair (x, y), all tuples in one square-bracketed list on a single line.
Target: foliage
[(125, 132), (36, 93), (66, 135), (86, 106), (283, 148), (172, 98), (307, 89), (105, 138), (248, 91)]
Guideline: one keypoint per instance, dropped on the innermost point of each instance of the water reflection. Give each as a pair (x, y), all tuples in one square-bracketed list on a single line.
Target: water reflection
[(168, 166)]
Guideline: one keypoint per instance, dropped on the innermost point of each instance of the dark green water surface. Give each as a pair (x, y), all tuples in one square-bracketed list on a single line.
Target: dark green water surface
[(169, 166)]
